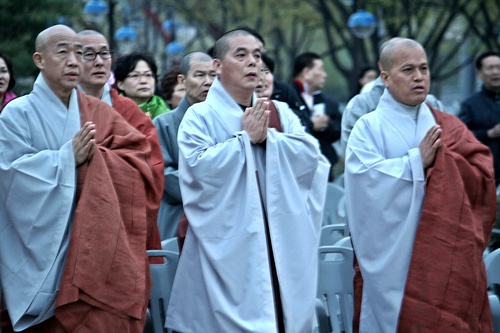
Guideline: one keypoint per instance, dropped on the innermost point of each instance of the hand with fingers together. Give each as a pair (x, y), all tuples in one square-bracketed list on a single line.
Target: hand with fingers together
[(256, 121), (430, 145), (84, 143)]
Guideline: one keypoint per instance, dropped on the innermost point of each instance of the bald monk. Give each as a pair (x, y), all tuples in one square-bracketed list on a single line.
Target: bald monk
[(74, 178), (420, 197)]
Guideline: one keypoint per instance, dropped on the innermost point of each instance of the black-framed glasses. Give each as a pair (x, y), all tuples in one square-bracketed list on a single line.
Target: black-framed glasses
[(89, 56)]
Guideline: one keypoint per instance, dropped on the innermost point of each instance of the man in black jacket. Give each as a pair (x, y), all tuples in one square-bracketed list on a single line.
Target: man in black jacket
[(319, 113)]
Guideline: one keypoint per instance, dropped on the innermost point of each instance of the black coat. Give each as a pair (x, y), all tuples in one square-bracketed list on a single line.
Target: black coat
[(480, 112)]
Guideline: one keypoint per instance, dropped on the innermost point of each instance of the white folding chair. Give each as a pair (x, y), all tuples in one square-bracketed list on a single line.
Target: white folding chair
[(335, 286), (344, 242), (170, 244), (331, 234), (163, 278)]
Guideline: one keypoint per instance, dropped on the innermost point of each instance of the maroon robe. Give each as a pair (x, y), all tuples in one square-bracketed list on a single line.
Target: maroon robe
[(131, 112), (106, 281)]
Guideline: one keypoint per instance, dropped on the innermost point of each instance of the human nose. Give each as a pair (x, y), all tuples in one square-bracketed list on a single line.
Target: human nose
[(73, 58), (418, 75)]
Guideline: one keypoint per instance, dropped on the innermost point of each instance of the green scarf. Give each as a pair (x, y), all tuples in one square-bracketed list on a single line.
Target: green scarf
[(154, 107)]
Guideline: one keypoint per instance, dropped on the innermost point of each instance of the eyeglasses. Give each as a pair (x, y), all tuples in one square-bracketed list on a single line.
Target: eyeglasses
[(137, 76), (89, 56)]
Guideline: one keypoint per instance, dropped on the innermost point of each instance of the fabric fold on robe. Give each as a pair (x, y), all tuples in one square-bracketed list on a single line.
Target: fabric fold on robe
[(135, 117), (106, 277)]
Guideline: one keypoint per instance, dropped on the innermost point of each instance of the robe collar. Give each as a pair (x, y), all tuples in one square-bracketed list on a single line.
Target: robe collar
[(225, 106), (58, 114), (402, 122)]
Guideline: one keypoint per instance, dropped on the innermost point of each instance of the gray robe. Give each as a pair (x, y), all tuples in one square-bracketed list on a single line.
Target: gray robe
[(171, 209), (37, 189)]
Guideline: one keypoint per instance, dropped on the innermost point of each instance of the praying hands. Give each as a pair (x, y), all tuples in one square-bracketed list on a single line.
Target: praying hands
[(256, 121)]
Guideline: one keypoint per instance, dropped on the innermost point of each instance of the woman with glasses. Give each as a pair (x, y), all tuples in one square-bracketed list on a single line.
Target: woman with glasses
[(7, 81), (135, 76)]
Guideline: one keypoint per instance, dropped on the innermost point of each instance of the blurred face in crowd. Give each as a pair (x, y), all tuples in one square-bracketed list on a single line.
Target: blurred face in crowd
[(177, 94), (96, 71), (369, 76), (139, 85), (315, 76), (4, 77), (265, 87), (198, 80), (59, 57), (490, 73), (407, 77)]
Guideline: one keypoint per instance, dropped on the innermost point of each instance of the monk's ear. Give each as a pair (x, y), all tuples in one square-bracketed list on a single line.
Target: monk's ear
[(38, 59), (217, 66), (180, 79), (385, 77)]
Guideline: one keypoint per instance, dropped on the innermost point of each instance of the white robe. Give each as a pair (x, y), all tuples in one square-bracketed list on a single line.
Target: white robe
[(384, 180), (223, 281), (37, 188)]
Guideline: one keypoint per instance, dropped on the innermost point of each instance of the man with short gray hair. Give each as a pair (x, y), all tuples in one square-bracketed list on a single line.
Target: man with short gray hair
[(196, 75)]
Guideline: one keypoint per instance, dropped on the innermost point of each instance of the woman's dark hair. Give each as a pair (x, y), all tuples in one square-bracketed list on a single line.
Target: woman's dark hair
[(168, 83), (12, 79), (268, 61), (126, 64)]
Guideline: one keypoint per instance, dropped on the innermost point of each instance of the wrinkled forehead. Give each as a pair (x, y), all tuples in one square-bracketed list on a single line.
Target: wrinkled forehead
[(64, 40), (94, 41)]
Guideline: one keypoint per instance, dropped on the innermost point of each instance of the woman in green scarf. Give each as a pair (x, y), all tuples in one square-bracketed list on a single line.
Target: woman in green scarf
[(135, 75)]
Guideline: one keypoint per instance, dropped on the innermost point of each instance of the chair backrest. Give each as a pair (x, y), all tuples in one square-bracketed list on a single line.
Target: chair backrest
[(163, 278), (495, 312), (344, 242), (492, 264), (331, 211), (335, 285), (331, 234), (170, 244)]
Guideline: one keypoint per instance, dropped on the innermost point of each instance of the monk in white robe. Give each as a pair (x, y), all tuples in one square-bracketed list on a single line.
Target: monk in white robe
[(224, 279), (396, 189)]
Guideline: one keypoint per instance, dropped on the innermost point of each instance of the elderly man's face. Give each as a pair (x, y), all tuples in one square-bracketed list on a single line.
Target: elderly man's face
[(61, 62), (198, 80), (408, 79)]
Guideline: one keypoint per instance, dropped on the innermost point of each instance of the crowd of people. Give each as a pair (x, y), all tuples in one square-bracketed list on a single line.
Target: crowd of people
[(102, 161)]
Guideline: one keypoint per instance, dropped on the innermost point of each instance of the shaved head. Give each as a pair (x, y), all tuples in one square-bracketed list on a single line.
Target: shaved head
[(44, 37), (388, 50), (222, 44), (189, 58)]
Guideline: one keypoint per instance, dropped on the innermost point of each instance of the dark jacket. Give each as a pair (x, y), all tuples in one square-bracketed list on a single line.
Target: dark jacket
[(332, 132), (480, 112)]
